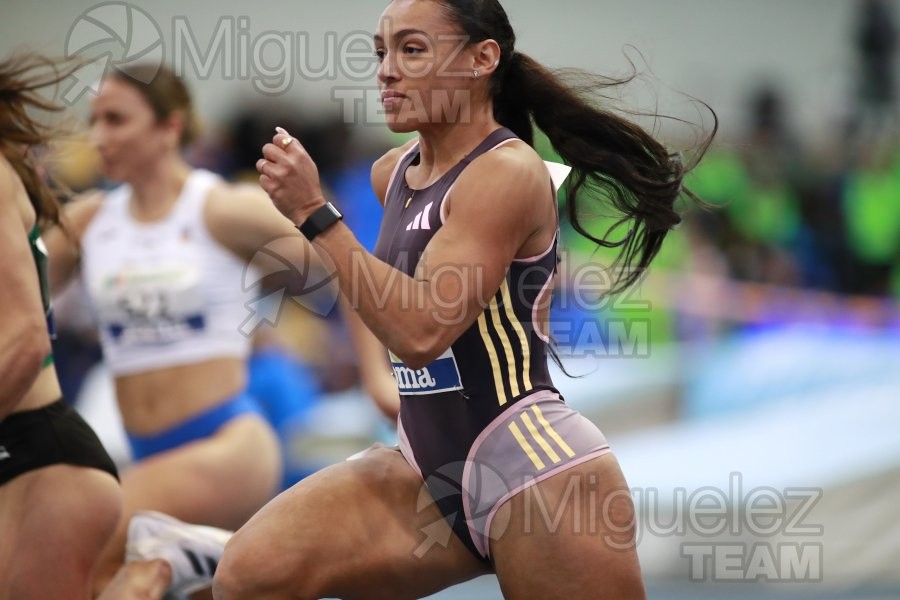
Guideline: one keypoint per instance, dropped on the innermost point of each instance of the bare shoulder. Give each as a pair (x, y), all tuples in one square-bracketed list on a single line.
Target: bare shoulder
[(518, 157), (12, 195), (514, 174), (242, 218), (506, 193), (7, 174), (384, 167), (230, 206), (10, 184), (76, 214), (240, 197)]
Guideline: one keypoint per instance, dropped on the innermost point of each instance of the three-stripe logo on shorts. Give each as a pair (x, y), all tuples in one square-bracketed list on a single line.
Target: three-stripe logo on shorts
[(547, 442)]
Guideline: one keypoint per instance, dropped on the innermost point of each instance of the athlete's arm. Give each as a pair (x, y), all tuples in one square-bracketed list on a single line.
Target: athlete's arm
[(498, 203), (24, 341), (242, 219), (374, 368), (62, 246)]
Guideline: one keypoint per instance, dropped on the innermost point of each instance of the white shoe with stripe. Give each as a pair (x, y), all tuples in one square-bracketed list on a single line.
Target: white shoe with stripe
[(193, 551)]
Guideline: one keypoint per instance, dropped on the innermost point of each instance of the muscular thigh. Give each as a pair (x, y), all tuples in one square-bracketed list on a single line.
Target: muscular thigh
[(365, 528), (570, 536), (60, 515)]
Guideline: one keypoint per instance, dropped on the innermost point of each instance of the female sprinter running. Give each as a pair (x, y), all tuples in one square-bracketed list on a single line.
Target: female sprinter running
[(163, 258), (458, 292)]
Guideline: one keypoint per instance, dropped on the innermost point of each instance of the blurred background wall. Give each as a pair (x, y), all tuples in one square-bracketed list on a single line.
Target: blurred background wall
[(717, 50)]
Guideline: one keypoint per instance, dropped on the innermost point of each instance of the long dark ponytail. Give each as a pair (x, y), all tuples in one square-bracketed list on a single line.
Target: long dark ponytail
[(611, 156)]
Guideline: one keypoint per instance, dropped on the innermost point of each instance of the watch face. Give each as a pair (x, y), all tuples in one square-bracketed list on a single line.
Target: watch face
[(321, 219)]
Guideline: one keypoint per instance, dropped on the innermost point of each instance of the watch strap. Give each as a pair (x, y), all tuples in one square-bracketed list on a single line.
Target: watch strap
[(324, 217)]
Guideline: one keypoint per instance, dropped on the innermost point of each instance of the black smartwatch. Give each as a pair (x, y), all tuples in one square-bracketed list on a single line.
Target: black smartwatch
[(324, 217)]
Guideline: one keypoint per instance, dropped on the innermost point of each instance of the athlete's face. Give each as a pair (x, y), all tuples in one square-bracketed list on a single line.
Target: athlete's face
[(426, 72), (126, 132)]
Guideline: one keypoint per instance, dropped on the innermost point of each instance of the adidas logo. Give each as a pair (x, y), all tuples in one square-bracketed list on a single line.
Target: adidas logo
[(421, 220), (4, 454)]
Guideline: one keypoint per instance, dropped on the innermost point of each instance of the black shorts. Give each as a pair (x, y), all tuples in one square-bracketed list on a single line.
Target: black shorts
[(51, 435)]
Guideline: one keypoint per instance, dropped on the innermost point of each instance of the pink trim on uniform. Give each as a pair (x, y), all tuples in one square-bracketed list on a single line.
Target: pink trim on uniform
[(532, 259), (397, 168), (555, 471), (555, 237), (537, 301), (534, 309), (443, 204), (501, 418), (406, 449), (503, 143)]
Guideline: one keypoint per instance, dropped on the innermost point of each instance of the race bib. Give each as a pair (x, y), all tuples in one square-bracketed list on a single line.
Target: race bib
[(150, 306), (442, 375)]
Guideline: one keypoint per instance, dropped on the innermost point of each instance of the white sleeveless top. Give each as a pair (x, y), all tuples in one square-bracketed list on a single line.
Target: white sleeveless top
[(165, 293)]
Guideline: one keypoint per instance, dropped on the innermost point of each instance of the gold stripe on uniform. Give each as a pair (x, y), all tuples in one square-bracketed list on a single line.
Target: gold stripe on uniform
[(492, 354), (552, 432), (523, 340), (529, 451), (494, 309), (540, 439)]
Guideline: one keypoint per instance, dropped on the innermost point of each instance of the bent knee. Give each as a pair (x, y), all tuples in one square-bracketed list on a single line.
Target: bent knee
[(251, 568), (235, 575), (227, 583)]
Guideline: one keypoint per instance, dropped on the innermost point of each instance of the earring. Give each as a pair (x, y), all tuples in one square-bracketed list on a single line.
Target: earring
[(475, 74)]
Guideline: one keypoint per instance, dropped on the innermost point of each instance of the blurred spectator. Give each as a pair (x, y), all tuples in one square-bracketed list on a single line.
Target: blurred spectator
[(871, 198), (876, 42), (758, 190)]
